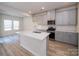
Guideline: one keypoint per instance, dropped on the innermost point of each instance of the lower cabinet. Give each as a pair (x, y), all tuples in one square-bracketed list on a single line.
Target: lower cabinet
[(68, 37)]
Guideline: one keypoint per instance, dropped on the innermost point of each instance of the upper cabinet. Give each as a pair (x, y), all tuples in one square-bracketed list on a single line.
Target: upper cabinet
[(40, 19), (51, 15), (66, 16)]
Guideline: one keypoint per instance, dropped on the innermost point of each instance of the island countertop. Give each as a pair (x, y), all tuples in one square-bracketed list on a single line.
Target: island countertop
[(32, 34), (35, 42)]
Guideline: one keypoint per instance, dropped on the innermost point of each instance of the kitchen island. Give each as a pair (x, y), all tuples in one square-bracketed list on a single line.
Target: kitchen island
[(35, 42)]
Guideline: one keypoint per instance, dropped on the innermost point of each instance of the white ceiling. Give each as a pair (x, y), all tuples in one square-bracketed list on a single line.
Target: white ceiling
[(35, 7)]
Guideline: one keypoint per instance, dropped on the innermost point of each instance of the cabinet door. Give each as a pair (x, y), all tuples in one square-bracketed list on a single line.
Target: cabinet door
[(37, 19), (51, 15), (44, 19), (40, 19), (66, 17)]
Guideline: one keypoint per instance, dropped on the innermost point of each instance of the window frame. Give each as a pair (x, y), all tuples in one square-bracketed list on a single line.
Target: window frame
[(16, 27)]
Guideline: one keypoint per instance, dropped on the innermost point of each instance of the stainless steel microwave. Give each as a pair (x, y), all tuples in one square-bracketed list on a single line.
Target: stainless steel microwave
[(51, 22)]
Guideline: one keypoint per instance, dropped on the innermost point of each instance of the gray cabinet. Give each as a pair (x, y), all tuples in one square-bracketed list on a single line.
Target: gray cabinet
[(68, 37), (66, 25), (66, 17)]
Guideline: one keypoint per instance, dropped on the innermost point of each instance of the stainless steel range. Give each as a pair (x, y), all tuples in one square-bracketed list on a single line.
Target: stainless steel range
[(51, 29)]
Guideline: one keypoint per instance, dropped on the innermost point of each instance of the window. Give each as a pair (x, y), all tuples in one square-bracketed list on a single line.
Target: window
[(10, 25), (7, 25), (15, 25)]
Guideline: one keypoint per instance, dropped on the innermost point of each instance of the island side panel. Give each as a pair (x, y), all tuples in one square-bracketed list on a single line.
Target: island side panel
[(35, 46), (45, 46)]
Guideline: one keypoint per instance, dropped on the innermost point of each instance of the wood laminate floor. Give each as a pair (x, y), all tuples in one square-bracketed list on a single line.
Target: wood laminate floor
[(9, 46), (61, 49)]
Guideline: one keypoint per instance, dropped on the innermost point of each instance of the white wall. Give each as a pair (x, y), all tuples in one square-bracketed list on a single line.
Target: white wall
[(27, 23), (0, 23)]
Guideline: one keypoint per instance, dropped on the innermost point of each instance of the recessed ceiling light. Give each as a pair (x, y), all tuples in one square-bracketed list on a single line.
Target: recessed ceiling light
[(42, 8)]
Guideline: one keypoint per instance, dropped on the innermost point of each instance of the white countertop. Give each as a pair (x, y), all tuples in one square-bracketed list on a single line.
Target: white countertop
[(39, 36)]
